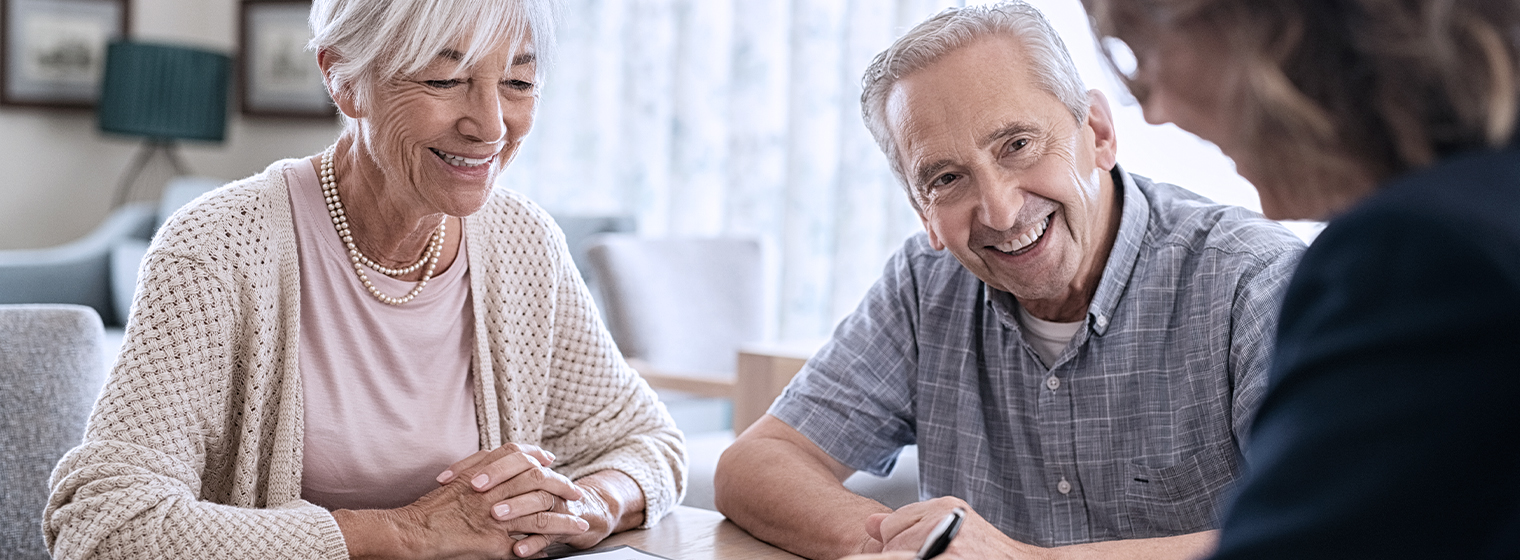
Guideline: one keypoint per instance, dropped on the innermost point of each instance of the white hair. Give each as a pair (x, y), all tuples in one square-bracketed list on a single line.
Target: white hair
[(1050, 65), (375, 40)]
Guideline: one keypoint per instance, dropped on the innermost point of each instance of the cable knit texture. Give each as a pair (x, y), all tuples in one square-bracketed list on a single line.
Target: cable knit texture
[(194, 448)]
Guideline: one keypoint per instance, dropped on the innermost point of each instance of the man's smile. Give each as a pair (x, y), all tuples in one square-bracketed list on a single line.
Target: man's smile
[(1026, 240)]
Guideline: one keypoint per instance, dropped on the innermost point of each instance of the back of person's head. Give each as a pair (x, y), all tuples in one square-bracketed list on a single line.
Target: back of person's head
[(1349, 88), (376, 40), (1050, 65)]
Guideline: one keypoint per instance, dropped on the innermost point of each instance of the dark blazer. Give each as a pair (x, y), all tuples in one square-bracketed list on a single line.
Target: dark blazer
[(1391, 425)]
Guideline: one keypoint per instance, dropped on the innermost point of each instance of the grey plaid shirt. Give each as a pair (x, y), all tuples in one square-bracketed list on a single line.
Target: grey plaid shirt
[(1137, 429)]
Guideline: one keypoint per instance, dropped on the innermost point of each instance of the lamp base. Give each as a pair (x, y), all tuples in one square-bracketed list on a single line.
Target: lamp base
[(150, 147)]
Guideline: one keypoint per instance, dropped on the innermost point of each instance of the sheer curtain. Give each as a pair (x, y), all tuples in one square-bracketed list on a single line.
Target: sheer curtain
[(729, 117), (742, 117)]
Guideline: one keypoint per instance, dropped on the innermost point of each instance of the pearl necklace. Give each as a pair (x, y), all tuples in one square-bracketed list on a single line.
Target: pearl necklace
[(340, 223)]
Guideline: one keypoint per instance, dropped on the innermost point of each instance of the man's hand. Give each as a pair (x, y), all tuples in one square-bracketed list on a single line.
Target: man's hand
[(906, 529), (902, 533)]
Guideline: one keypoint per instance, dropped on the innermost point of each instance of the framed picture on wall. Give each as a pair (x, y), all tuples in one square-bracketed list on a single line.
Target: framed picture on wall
[(54, 51), (277, 75)]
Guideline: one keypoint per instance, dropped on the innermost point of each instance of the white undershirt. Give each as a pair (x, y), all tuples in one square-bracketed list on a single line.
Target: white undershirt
[(1048, 338)]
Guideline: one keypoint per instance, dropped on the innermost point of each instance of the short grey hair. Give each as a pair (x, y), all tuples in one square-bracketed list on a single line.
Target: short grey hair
[(1049, 63), (376, 40)]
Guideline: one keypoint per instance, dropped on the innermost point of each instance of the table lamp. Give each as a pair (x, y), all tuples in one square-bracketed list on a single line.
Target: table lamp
[(164, 93)]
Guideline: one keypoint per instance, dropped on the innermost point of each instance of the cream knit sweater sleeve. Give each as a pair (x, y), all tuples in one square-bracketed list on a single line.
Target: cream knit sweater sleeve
[(189, 450), (632, 432), (568, 389)]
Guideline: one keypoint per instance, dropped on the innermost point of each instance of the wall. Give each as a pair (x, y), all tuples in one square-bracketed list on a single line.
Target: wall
[(58, 174)]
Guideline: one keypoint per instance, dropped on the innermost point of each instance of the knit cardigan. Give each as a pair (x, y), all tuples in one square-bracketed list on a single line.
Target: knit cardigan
[(194, 446)]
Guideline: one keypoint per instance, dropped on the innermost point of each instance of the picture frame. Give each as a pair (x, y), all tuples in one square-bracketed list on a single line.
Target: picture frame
[(53, 53), (277, 76)]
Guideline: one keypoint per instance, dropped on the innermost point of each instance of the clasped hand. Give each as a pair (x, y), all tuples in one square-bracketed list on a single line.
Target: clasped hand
[(507, 502)]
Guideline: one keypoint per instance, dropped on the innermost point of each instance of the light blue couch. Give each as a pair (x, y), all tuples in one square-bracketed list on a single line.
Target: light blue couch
[(99, 270)]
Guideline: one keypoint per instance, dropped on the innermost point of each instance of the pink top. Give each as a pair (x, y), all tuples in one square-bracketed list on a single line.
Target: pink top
[(388, 397)]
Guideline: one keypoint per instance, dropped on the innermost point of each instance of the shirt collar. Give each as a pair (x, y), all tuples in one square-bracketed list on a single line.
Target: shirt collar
[(1134, 219)]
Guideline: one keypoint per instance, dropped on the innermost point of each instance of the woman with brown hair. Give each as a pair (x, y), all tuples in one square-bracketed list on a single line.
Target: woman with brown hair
[(1387, 430)]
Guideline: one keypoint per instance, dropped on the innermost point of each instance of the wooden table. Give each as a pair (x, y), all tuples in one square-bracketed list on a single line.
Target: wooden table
[(689, 533)]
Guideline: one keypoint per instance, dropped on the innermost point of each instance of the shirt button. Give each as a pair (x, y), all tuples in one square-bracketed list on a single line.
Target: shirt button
[(1063, 486), (1053, 383), (1102, 321)]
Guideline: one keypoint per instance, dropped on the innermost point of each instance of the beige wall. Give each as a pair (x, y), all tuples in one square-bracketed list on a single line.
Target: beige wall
[(58, 174)]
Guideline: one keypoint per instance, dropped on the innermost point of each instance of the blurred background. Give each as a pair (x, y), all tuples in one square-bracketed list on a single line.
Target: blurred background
[(694, 117)]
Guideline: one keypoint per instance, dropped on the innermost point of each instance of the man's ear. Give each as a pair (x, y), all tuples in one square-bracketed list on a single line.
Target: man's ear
[(933, 237), (1101, 121), (343, 97)]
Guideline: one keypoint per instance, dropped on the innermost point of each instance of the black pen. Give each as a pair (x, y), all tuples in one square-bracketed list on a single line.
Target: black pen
[(939, 538)]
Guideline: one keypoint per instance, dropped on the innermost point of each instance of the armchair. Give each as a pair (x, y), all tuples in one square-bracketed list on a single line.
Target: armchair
[(679, 308), (98, 270), (580, 232), (78, 272), (51, 368)]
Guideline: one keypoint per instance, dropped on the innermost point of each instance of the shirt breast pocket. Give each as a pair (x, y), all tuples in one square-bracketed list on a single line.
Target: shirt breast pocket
[(1185, 497)]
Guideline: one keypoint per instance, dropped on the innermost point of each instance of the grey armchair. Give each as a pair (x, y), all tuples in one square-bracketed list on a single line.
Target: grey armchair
[(680, 307), (51, 372), (98, 271), (580, 231)]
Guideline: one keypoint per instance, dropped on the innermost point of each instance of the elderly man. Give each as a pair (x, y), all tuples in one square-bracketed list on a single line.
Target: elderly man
[(1075, 350)]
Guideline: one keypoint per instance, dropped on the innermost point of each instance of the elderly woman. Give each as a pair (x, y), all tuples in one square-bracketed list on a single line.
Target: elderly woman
[(371, 352), (1388, 430)]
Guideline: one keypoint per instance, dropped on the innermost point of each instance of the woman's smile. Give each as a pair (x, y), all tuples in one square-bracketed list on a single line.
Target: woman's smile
[(457, 160)]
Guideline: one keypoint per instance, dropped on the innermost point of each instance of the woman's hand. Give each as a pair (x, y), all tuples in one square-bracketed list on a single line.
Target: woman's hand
[(527, 496), (603, 503), (482, 511), (600, 507), (502, 503)]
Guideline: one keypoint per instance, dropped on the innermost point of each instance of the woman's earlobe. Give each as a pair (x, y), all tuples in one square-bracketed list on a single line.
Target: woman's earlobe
[(345, 102), (343, 97)]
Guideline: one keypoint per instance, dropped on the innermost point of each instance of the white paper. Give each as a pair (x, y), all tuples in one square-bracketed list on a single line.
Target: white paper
[(620, 553)]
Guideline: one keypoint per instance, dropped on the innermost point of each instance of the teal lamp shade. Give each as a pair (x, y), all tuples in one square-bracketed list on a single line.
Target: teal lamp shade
[(164, 92)]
